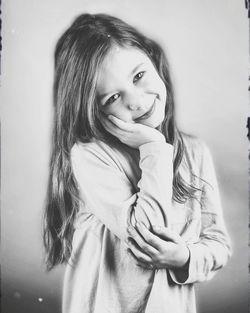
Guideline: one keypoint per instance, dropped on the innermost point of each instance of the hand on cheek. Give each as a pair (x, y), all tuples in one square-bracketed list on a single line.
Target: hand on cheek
[(131, 134)]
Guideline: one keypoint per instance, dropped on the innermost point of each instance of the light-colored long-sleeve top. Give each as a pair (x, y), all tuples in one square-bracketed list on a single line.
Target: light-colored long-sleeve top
[(118, 186)]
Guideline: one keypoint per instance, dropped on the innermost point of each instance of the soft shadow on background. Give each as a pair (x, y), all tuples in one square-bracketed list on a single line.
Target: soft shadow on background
[(207, 45)]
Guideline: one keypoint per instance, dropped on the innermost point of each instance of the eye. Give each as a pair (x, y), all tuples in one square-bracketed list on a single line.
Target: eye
[(112, 99), (138, 76)]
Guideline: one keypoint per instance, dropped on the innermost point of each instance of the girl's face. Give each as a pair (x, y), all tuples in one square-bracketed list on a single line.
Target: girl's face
[(130, 88)]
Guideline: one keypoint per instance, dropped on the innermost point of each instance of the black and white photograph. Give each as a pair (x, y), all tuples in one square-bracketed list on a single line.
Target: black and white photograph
[(124, 156)]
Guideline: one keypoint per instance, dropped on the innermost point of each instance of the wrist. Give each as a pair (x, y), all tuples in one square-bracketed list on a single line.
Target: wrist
[(183, 258), (186, 257), (152, 136), (186, 264), (159, 140), (157, 148)]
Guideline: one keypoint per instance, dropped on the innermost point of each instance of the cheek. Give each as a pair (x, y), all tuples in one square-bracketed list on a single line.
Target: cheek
[(155, 83), (118, 111), (162, 87), (123, 115), (163, 92)]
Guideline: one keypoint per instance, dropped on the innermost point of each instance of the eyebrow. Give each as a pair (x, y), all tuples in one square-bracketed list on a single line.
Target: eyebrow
[(132, 72), (136, 68)]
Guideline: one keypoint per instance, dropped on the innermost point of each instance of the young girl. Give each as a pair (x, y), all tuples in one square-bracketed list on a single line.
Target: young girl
[(133, 206)]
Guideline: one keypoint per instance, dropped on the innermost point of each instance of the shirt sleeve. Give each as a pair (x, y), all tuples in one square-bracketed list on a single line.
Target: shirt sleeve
[(213, 249), (107, 192)]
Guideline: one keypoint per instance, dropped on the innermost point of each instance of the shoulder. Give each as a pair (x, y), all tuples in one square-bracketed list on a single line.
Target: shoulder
[(96, 152), (85, 148), (196, 152), (85, 151), (194, 146)]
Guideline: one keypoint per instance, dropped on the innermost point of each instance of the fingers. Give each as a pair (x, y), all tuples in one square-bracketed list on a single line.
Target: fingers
[(149, 237), (138, 253), (117, 127), (167, 234), (110, 127), (125, 126), (143, 264), (143, 245)]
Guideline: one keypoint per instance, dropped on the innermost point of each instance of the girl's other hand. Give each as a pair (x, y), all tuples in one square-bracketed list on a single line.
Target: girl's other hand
[(161, 249), (131, 134)]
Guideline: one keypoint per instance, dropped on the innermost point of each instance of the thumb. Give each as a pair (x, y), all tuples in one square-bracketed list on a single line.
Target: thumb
[(167, 234)]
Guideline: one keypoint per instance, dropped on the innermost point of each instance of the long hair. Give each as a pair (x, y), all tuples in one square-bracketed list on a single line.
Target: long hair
[(78, 55)]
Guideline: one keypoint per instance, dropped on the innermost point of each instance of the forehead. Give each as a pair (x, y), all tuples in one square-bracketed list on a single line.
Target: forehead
[(123, 56), (118, 64)]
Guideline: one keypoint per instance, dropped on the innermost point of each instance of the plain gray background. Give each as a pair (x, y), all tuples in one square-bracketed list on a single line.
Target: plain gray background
[(207, 45)]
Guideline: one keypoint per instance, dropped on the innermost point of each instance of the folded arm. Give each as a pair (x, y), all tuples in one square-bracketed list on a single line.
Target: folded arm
[(163, 248), (213, 249), (107, 192)]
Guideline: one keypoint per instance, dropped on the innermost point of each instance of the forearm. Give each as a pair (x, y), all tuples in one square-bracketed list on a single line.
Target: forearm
[(206, 258), (106, 189), (155, 186), (204, 236)]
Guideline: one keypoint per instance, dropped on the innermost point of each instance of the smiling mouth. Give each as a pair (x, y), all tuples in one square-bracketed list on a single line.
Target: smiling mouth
[(147, 114)]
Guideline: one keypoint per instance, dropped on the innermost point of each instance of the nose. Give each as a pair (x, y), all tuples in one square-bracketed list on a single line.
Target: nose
[(134, 101), (134, 106)]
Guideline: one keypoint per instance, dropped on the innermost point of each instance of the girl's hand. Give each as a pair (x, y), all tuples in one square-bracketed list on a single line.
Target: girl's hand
[(131, 134), (161, 249)]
